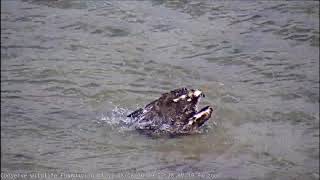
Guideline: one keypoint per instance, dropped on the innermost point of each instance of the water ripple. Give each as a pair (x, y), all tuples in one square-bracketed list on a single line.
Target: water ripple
[(72, 70)]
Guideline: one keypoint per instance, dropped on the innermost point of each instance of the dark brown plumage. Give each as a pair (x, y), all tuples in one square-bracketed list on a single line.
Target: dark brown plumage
[(174, 113)]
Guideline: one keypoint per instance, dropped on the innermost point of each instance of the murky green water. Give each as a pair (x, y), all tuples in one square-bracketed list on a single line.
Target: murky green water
[(70, 70)]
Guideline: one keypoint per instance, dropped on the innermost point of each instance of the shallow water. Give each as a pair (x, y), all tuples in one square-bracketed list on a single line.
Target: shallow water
[(71, 70)]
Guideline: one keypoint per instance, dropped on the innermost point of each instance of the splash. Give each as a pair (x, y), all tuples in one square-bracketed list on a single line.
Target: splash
[(117, 119)]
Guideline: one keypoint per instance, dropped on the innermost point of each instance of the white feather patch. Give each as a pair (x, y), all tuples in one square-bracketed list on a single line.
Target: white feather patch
[(197, 93), (181, 97)]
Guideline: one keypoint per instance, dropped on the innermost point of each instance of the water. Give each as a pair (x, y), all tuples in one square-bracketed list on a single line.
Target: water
[(71, 70)]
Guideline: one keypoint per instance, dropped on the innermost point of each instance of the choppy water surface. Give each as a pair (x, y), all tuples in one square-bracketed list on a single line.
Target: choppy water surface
[(70, 70)]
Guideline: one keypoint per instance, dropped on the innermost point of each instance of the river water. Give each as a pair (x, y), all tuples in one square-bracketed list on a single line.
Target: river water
[(71, 70)]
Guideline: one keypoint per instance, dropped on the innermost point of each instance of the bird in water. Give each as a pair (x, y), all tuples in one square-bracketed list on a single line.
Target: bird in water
[(174, 113)]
